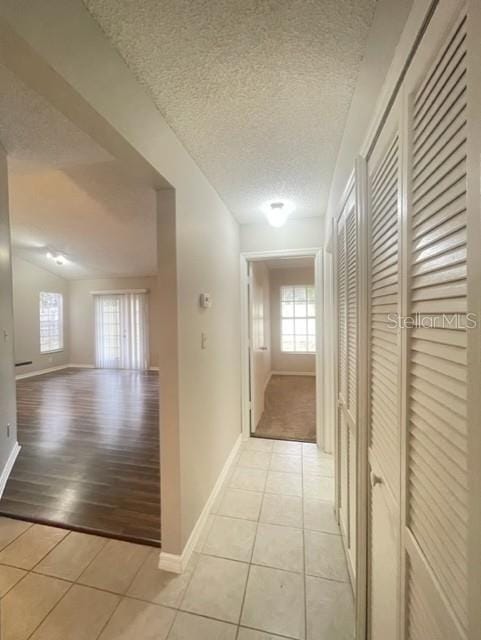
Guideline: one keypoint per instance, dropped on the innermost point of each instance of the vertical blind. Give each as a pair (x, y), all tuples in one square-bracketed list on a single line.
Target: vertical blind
[(122, 331)]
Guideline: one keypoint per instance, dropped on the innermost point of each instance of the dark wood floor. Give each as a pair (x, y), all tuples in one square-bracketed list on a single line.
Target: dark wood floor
[(90, 453)]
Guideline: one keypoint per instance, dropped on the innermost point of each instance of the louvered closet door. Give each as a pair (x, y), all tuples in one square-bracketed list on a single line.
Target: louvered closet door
[(384, 379), (347, 382), (436, 481)]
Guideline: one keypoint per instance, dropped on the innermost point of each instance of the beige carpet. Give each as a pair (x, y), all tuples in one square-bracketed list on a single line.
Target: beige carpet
[(289, 409)]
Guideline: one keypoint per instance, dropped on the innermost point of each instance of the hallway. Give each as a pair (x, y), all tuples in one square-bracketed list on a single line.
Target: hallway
[(289, 409), (269, 565)]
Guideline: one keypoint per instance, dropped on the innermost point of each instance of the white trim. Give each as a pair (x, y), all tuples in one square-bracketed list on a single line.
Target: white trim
[(177, 563), (39, 372), (111, 292), (245, 258), (280, 253), (293, 373), (268, 379), (244, 346), (9, 466), (81, 366), (320, 351), (154, 369)]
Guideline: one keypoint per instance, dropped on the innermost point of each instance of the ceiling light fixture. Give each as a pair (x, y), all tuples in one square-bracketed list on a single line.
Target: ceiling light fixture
[(278, 212), (58, 258)]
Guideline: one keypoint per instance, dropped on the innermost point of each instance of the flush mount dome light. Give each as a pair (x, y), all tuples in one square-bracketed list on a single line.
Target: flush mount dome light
[(278, 212), (58, 258)]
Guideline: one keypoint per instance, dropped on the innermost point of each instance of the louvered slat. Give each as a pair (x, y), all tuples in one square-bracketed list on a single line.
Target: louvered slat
[(437, 512), (352, 305), (421, 624), (384, 353), (342, 317)]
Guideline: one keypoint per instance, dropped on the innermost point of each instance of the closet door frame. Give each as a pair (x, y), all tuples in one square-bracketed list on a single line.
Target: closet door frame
[(348, 202), (473, 201), (362, 489)]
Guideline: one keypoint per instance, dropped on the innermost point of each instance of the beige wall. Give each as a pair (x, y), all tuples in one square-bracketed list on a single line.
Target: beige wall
[(291, 362), (28, 281), (302, 233), (260, 348), (82, 322), (7, 370)]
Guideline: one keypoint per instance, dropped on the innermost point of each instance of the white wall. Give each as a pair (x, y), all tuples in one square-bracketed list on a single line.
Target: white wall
[(82, 322), (8, 409), (59, 50), (302, 233), (260, 345), (280, 361), (28, 281)]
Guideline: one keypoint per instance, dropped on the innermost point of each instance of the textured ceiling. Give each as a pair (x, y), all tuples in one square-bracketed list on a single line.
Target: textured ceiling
[(67, 194), (257, 90)]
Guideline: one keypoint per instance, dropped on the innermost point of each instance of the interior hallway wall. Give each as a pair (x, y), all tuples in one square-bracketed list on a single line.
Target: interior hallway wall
[(260, 337), (28, 281), (8, 409), (82, 316), (280, 361), (70, 61)]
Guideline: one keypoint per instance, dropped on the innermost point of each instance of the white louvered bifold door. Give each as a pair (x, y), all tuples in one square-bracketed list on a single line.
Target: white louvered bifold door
[(347, 291), (435, 468), (384, 378)]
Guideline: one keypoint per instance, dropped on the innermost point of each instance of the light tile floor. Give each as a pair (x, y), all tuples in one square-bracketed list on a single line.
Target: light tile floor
[(269, 565)]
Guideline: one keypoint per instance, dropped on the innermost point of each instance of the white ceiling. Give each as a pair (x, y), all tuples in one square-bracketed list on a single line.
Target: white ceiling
[(69, 195), (257, 90)]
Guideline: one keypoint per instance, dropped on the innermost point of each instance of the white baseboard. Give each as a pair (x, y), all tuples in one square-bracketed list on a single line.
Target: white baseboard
[(8, 467), (268, 379), (177, 563), (40, 372), (293, 373), (81, 366)]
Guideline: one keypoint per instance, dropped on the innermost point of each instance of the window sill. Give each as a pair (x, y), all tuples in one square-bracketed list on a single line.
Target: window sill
[(45, 353), (299, 353)]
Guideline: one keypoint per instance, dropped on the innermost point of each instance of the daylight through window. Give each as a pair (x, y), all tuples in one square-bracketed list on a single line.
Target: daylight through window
[(298, 319)]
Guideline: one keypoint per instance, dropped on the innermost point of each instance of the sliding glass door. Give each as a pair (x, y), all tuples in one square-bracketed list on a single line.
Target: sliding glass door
[(121, 331)]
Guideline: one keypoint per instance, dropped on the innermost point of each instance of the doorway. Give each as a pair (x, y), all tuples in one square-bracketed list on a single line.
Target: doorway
[(281, 345)]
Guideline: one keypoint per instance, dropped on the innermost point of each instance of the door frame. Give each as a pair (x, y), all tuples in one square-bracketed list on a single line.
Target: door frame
[(258, 256)]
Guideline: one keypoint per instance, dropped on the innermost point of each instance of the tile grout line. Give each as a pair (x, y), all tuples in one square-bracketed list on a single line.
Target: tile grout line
[(50, 610), (252, 550), (30, 525), (120, 596), (304, 551)]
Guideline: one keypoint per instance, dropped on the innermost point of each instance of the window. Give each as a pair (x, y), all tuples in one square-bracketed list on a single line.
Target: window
[(298, 319), (51, 322)]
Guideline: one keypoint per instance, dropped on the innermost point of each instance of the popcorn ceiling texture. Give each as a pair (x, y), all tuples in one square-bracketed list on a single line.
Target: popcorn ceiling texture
[(35, 135), (257, 90), (66, 193)]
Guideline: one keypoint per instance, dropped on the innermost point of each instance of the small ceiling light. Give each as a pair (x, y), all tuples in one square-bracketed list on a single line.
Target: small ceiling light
[(58, 258), (278, 212)]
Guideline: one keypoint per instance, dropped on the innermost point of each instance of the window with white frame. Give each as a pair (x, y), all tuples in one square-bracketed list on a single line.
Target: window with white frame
[(51, 322), (298, 319)]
